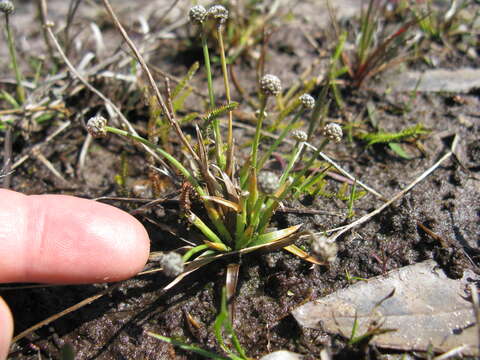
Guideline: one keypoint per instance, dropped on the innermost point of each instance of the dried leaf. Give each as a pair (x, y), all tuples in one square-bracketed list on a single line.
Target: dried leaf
[(426, 308)]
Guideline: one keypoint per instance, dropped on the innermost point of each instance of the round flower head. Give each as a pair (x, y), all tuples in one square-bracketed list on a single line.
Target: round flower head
[(6, 6), (268, 181), (96, 126), (333, 132), (299, 135), (172, 264), (197, 14), (219, 13), (270, 85), (323, 248), (308, 101)]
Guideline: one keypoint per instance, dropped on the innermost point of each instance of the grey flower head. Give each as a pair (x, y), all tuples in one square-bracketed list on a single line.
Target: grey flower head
[(219, 13), (333, 132), (268, 181), (197, 14), (96, 126), (299, 135), (270, 85), (172, 264), (308, 101), (323, 248), (7, 7)]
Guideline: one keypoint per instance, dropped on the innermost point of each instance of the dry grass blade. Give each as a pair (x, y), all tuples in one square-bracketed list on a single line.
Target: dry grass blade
[(64, 312), (342, 230), (151, 81), (95, 91)]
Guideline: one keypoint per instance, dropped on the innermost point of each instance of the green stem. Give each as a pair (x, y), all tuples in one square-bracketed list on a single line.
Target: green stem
[(258, 129), (216, 124), (214, 216), (227, 95), (165, 154), (296, 153), (279, 140), (13, 56)]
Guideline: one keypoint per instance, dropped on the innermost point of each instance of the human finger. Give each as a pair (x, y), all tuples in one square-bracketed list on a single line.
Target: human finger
[(65, 239)]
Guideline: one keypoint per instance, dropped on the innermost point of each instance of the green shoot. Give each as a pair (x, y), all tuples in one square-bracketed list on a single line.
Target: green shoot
[(222, 328), (13, 57)]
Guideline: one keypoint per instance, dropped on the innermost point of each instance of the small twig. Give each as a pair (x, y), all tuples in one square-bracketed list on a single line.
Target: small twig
[(37, 147), (42, 9), (150, 79), (40, 157), (7, 162), (307, 211), (341, 230), (64, 312), (98, 93), (476, 310)]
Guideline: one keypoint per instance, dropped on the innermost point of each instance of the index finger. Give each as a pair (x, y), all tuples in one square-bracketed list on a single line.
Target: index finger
[(64, 239)]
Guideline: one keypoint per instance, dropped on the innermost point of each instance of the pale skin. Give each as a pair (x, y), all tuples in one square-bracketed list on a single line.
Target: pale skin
[(60, 239)]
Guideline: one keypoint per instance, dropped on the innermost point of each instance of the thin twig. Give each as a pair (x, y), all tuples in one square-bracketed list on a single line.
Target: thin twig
[(98, 93), (150, 79), (7, 156), (343, 229), (37, 147)]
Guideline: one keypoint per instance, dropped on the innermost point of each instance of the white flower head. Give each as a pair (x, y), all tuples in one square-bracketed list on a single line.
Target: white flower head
[(96, 126), (172, 264), (333, 132), (308, 101), (299, 135), (270, 85), (7, 7), (219, 13), (197, 14)]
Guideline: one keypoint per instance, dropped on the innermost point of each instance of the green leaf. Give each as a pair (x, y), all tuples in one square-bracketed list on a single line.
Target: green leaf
[(185, 346), (397, 149), (276, 235)]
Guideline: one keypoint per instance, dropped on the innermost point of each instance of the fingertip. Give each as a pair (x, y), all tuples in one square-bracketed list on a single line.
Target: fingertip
[(6, 329), (65, 239)]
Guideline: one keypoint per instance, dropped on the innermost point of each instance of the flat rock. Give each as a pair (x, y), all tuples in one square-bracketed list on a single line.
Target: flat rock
[(438, 80)]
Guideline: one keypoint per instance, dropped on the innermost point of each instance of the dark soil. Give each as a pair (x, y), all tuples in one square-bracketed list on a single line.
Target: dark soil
[(270, 284)]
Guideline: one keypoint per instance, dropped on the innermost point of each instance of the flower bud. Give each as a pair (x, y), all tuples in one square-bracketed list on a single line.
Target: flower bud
[(268, 181), (219, 13), (323, 248), (270, 85), (96, 126), (172, 264), (7, 7), (333, 132), (197, 14), (308, 101), (299, 135)]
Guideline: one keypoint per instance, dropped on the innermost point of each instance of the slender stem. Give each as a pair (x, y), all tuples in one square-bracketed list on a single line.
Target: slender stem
[(296, 152), (256, 139), (229, 169), (150, 79), (216, 124), (165, 154), (13, 56), (212, 213), (208, 68), (280, 138)]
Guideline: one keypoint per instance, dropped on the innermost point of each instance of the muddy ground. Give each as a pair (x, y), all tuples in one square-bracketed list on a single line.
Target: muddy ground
[(270, 284)]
